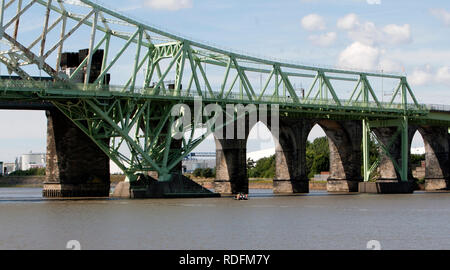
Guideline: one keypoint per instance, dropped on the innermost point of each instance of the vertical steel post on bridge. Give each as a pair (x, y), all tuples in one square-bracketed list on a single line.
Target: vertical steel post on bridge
[(386, 141)]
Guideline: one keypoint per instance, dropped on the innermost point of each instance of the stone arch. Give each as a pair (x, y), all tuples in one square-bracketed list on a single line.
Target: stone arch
[(290, 154), (417, 167), (316, 133), (290, 151), (437, 160), (231, 166), (345, 138), (255, 142), (386, 168), (231, 160)]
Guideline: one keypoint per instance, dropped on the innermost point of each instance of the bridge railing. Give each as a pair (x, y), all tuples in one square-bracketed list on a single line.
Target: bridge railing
[(438, 107), (45, 86)]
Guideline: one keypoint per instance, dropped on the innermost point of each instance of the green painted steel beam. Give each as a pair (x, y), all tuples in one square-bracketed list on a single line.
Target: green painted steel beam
[(224, 52), (366, 154)]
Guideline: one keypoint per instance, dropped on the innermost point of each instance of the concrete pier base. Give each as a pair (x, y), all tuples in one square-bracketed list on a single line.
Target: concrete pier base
[(231, 166), (342, 186), (223, 187), (76, 167), (437, 185), (437, 158), (52, 190), (178, 187), (122, 190), (386, 187), (290, 187)]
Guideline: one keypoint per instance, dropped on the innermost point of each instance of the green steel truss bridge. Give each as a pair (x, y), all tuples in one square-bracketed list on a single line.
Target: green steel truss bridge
[(128, 120)]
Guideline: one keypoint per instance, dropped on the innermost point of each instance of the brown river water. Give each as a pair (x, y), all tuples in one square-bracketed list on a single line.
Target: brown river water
[(314, 221)]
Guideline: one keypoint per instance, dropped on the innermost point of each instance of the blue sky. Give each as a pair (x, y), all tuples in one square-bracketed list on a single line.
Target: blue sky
[(410, 37)]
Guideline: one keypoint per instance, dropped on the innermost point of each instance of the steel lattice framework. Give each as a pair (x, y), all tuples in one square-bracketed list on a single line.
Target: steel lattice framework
[(136, 115)]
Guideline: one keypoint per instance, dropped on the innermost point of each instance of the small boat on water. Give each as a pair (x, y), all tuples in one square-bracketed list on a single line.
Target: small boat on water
[(241, 197)]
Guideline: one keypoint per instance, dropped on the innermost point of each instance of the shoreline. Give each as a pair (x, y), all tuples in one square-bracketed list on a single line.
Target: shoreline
[(22, 181), (266, 184), (38, 182)]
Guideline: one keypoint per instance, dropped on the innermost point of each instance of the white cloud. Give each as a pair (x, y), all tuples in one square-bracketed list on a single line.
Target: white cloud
[(443, 75), (374, 2), (349, 22), (389, 65), (171, 5), (421, 76), (313, 22), (360, 56), (75, 2), (397, 34), (324, 40), (366, 33), (442, 15), (369, 34), (427, 75)]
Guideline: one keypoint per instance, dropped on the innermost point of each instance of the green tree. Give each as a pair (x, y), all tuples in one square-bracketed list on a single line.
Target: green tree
[(30, 172), (320, 164), (319, 146), (416, 160), (198, 172), (317, 156), (317, 161), (207, 173), (264, 168)]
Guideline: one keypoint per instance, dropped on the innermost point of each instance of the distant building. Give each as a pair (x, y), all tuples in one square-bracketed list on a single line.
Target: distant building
[(9, 168), (257, 155), (30, 161), (323, 176), (199, 160)]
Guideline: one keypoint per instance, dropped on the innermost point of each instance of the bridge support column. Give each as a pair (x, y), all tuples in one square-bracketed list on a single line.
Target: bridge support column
[(290, 155), (76, 167), (388, 179), (231, 166), (344, 139), (437, 160)]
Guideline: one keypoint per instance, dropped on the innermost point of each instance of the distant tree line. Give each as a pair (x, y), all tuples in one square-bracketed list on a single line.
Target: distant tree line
[(204, 173), (317, 156), (263, 168), (317, 161), (30, 172)]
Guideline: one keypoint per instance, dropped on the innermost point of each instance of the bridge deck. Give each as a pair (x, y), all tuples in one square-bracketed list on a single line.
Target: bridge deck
[(44, 90)]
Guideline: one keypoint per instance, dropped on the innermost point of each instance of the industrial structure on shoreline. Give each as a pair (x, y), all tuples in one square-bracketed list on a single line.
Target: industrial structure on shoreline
[(23, 163)]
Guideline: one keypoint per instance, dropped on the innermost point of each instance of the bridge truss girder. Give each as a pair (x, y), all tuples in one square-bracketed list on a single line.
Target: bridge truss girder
[(148, 46), (136, 135), (402, 132), (401, 124)]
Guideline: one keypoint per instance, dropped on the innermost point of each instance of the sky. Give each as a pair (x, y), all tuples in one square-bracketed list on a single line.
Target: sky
[(405, 37)]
